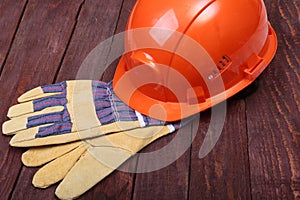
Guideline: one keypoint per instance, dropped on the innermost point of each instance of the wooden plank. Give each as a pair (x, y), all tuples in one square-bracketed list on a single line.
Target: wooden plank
[(10, 15), (33, 60), (224, 172), (119, 184), (122, 22), (96, 23), (273, 112), (170, 182), (26, 191)]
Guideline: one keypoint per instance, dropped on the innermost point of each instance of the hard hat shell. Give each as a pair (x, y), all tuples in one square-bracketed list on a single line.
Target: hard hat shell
[(183, 57)]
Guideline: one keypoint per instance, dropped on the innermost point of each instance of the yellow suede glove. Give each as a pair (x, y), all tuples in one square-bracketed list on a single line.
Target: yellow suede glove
[(70, 111), (66, 124), (81, 165)]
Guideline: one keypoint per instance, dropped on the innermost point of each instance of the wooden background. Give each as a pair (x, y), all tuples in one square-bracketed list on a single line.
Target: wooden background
[(256, 157)]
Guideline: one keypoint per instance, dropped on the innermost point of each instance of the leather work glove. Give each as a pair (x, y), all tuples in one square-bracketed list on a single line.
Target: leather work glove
[(81, 165), (62, 114), (70, 111)]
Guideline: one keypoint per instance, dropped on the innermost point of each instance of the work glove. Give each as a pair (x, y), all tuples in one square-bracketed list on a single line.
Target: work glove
[(70, 111), (81, 165), (77, 110)]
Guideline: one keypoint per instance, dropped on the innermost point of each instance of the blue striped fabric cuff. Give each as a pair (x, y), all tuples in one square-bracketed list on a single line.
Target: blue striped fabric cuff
[(109, 109)]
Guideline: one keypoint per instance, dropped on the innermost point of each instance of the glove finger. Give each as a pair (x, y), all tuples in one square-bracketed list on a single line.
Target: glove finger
[(34, 137), (55, 100), (10, 127), (27, 110), (20, 109), (38, 156), (37, 105), (89, 171), (24, 135), (106, 156), (51, 135), (43, 91), (38, 131), (50, 90), (60, 133), (57, 169), (38, 119), (35, 93)]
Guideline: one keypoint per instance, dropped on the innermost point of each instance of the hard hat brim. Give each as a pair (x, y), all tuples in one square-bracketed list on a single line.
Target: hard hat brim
[(173, 111)]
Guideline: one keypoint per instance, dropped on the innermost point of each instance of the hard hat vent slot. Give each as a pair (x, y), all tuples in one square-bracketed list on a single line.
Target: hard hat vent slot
[(223, 63)]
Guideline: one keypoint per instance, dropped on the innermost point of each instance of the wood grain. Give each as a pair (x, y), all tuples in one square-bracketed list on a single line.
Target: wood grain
[(273, 112), (25, 190), (122, 22), (97, 22), (171, 181), (224, 172), (33, 60), (10, 16)]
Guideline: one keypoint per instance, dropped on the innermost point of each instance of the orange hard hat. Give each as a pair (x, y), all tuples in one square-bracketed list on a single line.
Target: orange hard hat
[(182, 57)]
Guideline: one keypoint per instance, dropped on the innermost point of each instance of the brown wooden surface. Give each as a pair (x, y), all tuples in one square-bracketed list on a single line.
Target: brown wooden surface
[(256, 157), (10, 16)]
